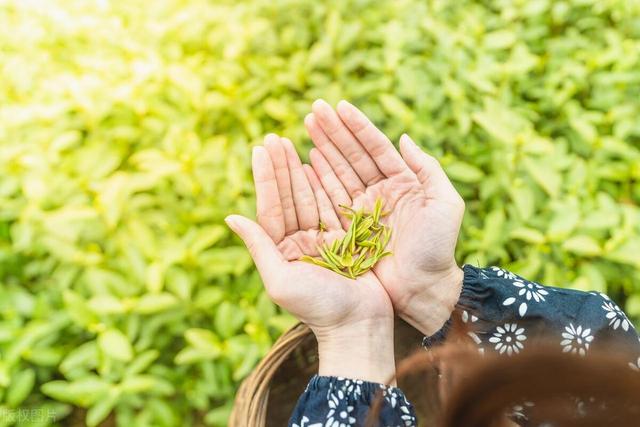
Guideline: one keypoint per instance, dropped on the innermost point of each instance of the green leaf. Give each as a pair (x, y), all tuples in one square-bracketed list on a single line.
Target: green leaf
[(101, 410), (229, 319), (544, 175), (115, 344), (528, 235), (154, 303), (21, 385), (83, 357), (155, 277), (524, 199), (500, 39), (106, 304), (396, 107), (582, 245), (464, 172), (203, 339), (626, 253), (563, 223), (83, 392), (141, 362), (632, 307)]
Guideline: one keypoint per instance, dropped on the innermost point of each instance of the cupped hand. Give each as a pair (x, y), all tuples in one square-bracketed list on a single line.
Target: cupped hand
[(352, 319), (356, 163)]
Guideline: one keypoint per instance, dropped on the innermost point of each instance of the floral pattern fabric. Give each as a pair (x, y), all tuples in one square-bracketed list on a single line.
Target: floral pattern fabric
[(505, 314), (343, 402)]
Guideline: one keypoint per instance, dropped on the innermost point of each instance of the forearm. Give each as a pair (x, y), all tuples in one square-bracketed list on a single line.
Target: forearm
[(355, 364), (361, 351)]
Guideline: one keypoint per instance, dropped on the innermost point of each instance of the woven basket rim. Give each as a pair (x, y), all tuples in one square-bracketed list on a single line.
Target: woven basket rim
[(252, 398)]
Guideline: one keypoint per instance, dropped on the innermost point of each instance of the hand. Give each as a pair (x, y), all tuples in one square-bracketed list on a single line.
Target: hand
[(356, 164), (351, 319)]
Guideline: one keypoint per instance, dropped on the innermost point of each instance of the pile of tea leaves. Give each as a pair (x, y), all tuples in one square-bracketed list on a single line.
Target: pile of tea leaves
[(361, 247)]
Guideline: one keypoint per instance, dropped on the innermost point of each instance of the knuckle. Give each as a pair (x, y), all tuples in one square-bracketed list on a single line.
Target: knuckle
[(378, 150), (342, 169)]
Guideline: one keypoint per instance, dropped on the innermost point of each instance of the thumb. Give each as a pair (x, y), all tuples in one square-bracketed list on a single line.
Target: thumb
[(261, 247), (427, 169)]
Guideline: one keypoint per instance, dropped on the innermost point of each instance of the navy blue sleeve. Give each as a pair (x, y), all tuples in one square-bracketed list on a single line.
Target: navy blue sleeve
[(506, 313), (342, 402)]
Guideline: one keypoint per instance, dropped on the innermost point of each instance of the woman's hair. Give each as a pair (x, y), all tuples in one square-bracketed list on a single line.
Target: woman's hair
[(462, 388)]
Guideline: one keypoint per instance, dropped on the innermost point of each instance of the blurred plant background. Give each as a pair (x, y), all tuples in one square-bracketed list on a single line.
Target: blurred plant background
[(125, 134)]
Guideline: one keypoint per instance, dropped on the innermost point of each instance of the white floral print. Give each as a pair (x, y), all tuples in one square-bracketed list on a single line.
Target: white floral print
[(390, 394), (508, 338), (576, 339), (529, 291), (408, 419), (352, 387), (343, 397), (304, 421), (466, 317), (616, 317), (339, 402), (339, 415), (394, 397), (500, 272)]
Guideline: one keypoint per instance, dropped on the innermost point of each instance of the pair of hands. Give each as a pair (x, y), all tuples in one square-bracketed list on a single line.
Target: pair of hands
[(353, 163)]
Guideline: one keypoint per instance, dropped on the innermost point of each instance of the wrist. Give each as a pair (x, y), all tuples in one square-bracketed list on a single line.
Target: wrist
[(431, 306), (362, 350)]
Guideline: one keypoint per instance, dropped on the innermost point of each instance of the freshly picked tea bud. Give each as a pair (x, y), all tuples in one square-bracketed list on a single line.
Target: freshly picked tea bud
[(361, 247)]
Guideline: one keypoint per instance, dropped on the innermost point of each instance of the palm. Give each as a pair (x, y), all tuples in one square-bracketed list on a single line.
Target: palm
[(424, 235), (357, 163), (326, 298), (291, 205)]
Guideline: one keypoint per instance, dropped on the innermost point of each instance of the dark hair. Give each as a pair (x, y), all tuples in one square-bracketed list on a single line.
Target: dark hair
[(460, 387)]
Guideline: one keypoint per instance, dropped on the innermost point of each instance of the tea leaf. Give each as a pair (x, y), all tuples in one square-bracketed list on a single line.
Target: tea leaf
[(359, 249)]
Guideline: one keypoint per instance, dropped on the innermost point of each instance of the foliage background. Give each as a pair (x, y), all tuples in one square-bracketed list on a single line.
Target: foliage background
[(125, 129)]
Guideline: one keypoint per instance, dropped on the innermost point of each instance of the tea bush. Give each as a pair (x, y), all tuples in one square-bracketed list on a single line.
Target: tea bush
[(125, 129)]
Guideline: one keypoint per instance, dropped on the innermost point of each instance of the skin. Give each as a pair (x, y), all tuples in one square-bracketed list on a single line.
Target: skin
[(357, 163), (351, 319), (353, 164)]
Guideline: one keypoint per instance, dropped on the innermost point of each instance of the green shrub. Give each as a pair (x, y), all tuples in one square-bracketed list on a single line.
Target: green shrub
[(125, 129)]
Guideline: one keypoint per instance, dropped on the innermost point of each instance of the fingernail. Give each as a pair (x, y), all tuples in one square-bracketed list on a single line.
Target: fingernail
[(231, 222), (308, 117), (270, 138), (319, 103), (406, 138), (344, 107)]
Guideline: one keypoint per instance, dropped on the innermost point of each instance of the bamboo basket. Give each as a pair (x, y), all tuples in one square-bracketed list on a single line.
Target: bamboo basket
[(268, 395)]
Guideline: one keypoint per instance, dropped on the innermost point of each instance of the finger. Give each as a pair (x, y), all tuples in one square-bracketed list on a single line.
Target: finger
[(428, 170), (263, 250), (325, 209), (348, 145), (303, 198), (269, 208), (372, 139), (330, 182), (279, 159), (343, 170)]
